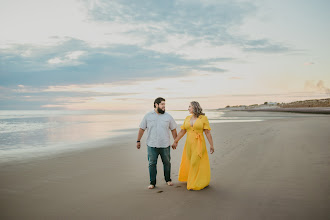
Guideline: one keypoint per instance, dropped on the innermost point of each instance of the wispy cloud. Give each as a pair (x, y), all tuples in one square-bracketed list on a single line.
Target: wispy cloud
[(309, 63), (234, 78), (62, 65), (265, 46), (319, 86), (172, 26), (69, 58), (30, 97)]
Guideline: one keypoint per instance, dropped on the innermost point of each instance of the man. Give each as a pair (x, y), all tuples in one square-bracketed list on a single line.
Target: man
[(158, 122)]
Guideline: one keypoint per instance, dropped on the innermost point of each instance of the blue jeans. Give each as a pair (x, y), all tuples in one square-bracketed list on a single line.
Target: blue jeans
[(153, 153)]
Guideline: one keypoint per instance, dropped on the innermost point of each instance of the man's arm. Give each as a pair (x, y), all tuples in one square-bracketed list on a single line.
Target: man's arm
[(143, 126), (173, 126), (174, 133), (140, 134)]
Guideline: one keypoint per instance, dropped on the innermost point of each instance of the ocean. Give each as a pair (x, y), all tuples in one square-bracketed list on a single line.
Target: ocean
[(34, 133)]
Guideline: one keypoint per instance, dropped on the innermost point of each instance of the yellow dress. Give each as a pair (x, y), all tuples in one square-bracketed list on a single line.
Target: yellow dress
[(195, 164)]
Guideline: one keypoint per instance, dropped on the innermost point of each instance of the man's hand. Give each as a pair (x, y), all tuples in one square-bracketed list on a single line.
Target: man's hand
[(140, 134), (174, 145)]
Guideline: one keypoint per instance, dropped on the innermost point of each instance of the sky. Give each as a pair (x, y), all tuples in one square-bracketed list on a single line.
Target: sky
[(120, 55)]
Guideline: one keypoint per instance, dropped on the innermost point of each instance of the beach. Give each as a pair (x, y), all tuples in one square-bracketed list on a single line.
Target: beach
[(272, 169)]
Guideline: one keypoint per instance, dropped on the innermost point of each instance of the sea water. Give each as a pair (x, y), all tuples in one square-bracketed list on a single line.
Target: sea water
[(34, 133)]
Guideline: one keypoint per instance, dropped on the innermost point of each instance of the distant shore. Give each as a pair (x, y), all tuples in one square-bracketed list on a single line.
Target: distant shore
[(312, 110), (313, 106)]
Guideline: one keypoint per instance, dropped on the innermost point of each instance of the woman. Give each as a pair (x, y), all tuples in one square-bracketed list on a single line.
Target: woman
[(195, 165)]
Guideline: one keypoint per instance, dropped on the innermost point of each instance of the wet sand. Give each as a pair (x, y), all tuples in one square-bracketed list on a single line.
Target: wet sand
[(275, 169)]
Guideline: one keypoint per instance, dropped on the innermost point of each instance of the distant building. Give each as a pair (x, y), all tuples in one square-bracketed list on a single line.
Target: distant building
[(272, 103)]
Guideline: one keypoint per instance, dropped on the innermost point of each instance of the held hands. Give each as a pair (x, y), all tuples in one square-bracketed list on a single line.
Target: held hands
[(174, 145)]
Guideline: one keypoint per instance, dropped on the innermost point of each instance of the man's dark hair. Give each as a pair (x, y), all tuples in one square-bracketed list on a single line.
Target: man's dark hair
[(158, 101)]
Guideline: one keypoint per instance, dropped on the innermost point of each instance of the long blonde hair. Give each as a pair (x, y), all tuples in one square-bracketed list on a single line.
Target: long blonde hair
[(197, 109)]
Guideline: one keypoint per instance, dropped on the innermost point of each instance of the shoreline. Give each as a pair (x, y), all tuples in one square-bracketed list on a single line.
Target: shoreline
[(30, 155), (33, 153)]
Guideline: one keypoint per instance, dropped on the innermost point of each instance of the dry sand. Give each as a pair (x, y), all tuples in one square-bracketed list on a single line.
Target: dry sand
[(276, 169)]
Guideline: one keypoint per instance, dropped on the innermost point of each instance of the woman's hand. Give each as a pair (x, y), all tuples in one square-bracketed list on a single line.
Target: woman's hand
[(174, 145), (211, 149), (176, 140), (209, 138)]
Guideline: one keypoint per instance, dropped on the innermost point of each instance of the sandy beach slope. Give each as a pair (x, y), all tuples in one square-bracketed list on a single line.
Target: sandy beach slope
[(276, 169)]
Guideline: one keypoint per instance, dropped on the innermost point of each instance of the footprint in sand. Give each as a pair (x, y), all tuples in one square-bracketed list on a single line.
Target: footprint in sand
[(177, 186), (160, 191)]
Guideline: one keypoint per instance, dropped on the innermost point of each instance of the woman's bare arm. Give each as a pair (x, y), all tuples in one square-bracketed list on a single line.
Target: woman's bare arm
[(209, 138), (180, 135)]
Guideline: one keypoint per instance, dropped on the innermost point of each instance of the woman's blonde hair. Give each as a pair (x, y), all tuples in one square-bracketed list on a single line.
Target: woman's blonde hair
[(197, 109)]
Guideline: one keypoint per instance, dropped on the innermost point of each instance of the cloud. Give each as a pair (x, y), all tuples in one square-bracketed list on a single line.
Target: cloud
[(256, 95), (234, 78), (311, 85), (69, 63), (29, 97), (136, 41), (171, 26), (98, 41), (265, 46), (70, 58), (195, 18), (309, 63)]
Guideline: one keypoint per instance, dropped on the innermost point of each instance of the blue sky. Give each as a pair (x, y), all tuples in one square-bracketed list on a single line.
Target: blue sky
[(123, 54)]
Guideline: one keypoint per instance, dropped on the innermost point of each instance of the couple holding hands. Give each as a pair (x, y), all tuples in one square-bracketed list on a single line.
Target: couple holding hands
[(195, 165)]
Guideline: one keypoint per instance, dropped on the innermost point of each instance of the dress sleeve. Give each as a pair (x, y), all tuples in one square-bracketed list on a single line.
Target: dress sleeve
[(182, 126), (206, 124)]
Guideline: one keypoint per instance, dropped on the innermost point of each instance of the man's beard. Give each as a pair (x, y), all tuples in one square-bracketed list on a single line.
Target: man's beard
[(161, 111)]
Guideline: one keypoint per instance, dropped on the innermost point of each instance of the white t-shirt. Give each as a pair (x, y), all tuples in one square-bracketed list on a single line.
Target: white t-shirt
[(158, 126)]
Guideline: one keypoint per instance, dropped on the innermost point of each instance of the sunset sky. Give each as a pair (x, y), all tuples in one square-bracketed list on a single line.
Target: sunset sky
[(115, 55)]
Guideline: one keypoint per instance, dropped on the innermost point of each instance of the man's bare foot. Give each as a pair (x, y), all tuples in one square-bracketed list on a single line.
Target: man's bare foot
[(151, 186), (169, 183)]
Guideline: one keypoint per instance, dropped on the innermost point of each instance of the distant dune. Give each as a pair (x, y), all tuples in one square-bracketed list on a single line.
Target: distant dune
[(317, 106), (307, 103), (314, 110)]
